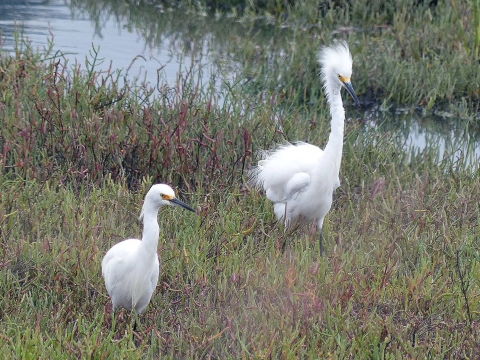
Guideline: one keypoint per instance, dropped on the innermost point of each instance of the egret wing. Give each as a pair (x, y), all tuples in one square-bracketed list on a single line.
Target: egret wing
[(115, 260), (286, 170), (297, 184)]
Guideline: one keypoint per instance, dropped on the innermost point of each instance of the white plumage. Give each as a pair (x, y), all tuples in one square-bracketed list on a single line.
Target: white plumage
[(131, 268), (300, 178)]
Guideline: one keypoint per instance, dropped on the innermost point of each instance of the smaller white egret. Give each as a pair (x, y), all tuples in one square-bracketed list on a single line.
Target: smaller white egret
[(300, 178), (131, 267)]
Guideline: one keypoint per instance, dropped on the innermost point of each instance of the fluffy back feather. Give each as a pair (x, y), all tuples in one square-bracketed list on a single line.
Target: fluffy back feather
[(278, 165)]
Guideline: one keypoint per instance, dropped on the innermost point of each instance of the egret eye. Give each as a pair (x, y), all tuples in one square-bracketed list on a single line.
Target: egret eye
[(166, 197)]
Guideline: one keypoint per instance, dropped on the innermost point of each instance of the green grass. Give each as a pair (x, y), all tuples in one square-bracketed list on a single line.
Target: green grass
[(390, 284), (78, 153)]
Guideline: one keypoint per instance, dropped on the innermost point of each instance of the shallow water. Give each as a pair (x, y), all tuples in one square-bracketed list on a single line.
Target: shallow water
[(76, 35), (150, 48), (446, 140)]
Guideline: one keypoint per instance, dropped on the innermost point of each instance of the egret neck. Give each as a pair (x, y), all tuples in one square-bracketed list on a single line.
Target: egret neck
[(333, 149), (151, 229)]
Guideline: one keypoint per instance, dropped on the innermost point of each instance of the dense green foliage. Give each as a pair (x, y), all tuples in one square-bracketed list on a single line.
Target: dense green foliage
[(78, 152)]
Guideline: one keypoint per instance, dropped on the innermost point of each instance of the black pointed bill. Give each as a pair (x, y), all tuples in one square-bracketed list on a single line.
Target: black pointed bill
[(177, 202), (349, 87)]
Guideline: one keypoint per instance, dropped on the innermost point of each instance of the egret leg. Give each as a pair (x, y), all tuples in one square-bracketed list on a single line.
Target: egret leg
[(136, 321), (114, 319), (321, 243)]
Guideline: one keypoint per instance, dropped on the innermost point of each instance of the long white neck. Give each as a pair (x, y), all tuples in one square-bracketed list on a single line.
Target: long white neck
[(333, 149), (151, 229)]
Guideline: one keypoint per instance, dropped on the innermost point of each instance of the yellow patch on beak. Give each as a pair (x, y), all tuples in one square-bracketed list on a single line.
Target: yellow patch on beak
[(344, 79), (166, 197)]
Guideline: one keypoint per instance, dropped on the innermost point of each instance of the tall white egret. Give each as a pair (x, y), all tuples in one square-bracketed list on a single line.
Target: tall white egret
[(300, 178), (131, 267)]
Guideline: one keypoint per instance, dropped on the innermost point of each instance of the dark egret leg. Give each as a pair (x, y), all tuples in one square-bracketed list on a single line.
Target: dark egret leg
[(321, 243), (137, 324), (285, 227), (284, 244), (320, 230), (113, 320)]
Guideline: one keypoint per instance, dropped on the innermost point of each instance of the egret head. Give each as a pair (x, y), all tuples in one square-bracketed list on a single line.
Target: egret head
[(160, 195), (336, 62)]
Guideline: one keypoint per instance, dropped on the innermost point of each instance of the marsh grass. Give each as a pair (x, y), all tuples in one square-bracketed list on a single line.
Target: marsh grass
[(79, 151), (389, 286), (406, 52)]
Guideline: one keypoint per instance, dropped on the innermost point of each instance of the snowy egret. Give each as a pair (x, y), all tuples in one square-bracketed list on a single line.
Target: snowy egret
[(131, 267), (300, 178)]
